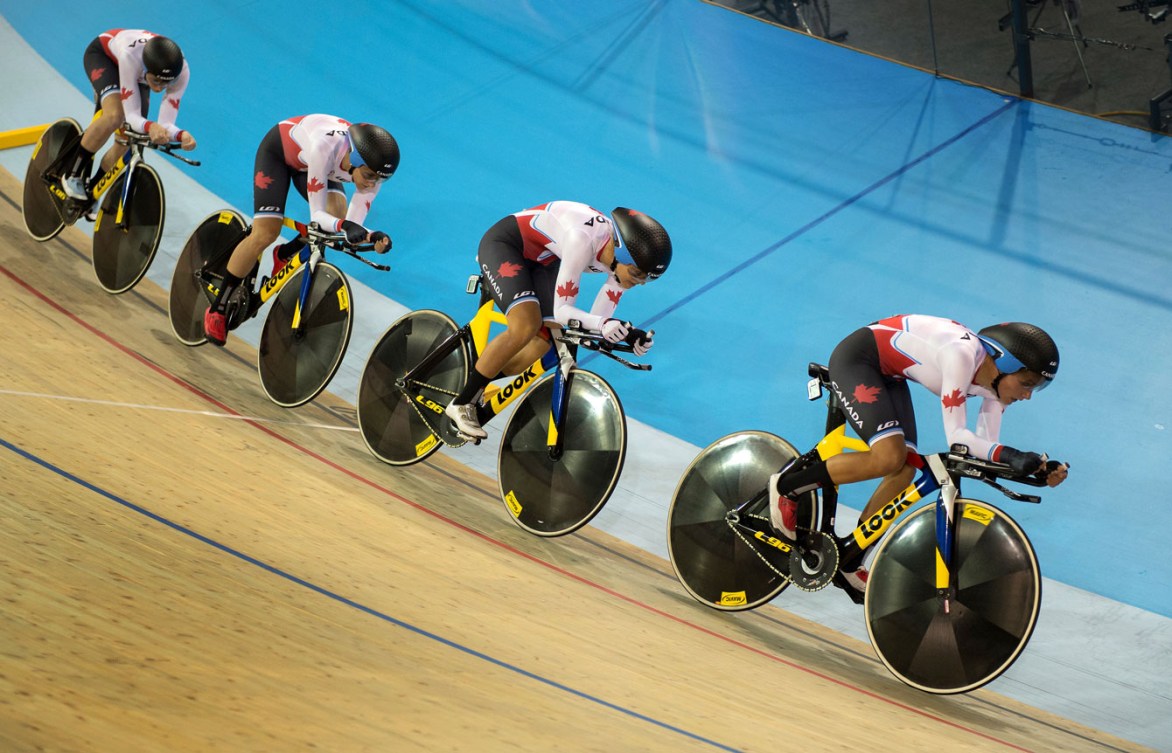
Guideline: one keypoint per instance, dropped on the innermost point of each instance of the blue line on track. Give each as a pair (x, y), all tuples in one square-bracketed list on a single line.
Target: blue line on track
[(360, 607)]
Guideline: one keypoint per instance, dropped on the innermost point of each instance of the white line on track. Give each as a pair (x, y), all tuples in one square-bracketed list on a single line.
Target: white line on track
[(212, 414)]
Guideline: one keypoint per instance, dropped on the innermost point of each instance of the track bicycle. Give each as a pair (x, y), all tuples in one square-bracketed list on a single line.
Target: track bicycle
[(954, 588), (306, 330), (128, 223), (564, 444)]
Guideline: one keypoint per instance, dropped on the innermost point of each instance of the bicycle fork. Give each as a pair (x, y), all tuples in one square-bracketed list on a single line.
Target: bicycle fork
[(123, 166), (945, 530), (559, 354)]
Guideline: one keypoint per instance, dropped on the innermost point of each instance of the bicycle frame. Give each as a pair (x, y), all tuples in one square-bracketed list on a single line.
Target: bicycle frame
[(933, 475), (496, 399), (313, 253), (135, 143), (562, 355), (121, 166)]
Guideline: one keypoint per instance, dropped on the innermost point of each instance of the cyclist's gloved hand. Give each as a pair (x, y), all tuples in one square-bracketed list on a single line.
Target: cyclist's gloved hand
[(381, 241), (355, 233), (1053, 472), (640, 341), (614, 331), (1021, 462)]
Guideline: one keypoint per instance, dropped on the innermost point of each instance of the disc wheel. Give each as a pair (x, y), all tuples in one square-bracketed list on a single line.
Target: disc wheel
[(122, 255), (555, 495), (400, 425), (719, 563), (991, 618), (301, 348), (44, 205), (208, 247)]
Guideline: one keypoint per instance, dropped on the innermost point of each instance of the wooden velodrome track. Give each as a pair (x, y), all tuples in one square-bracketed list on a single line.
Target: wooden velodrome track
[(186, 566)]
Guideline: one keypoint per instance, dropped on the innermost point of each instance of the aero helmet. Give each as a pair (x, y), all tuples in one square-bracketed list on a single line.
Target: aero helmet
[(374, 147), (162, 58), (1016, 345), (641, 241)]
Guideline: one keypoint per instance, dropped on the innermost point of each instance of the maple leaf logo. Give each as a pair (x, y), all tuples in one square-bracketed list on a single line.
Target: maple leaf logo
[(508, 269), (126, 94), (569, 290), (865, 394), (96, 73), (953, 399), (314, 186), (174, 102), (261, 180), (614, 296)]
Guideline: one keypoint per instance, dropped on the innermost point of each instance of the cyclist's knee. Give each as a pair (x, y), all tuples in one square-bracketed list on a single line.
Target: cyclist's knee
[(888, 456), (110, 120), (524, 322), (265, 230)]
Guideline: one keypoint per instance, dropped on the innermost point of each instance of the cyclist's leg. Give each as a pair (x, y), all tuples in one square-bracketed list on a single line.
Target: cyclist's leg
[(544, 279), (102, 73), (529, 353), (265, 230), (116, 150), (271, 177), (877, 408), (501, 249), (894, 482), (270, 190), (864, 395), (524, 322)]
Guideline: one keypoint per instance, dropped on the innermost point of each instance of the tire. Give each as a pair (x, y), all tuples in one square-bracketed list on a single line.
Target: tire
[(42, 210), (991, 619), (400, 425), (553, 497), (123, 255), (301, 348), (720, 566), (210, 244)]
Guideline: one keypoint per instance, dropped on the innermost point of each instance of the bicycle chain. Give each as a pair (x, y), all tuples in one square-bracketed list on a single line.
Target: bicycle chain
[(757, 551), (753, 547), (414, 407)]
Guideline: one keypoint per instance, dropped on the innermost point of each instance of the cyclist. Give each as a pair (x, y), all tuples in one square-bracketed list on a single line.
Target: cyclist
[(125, 66), (532, 263), (316, 154), (869, 371)]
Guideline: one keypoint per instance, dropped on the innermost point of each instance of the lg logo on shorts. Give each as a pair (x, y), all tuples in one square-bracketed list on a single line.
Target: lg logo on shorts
[(887, 425)]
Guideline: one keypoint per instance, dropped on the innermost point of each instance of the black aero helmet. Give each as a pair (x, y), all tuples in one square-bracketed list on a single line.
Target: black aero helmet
[(641, 241), (375, 148), (1016, 345), (163, 58)]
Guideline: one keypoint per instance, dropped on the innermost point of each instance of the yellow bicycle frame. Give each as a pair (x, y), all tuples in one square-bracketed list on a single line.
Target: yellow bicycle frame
[(872, 529), (495, 398)]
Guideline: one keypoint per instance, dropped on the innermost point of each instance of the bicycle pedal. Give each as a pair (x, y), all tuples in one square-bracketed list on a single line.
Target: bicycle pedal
[(465, 438)]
